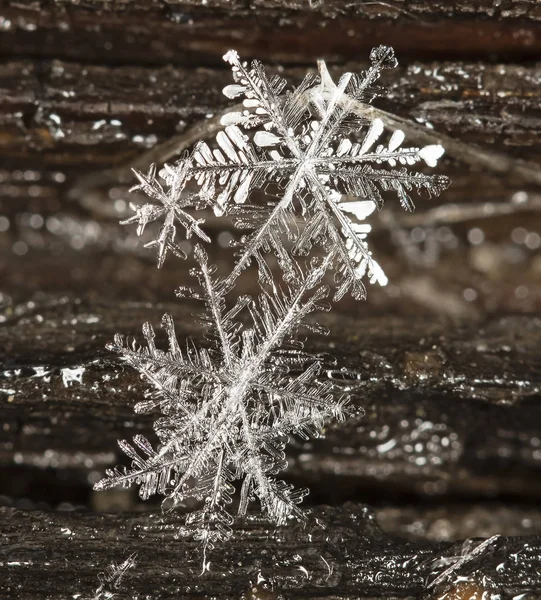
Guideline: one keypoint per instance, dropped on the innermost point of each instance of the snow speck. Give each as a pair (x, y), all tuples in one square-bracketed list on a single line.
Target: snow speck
[(70, 376)]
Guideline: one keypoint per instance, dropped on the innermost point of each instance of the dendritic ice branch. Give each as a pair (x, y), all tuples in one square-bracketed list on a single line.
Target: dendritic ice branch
[(310, 144), (168, 203), (229, 409), (111, 579)]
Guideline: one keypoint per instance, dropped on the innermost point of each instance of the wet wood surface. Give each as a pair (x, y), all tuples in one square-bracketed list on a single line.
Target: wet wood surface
[(340, 553), (446, 411), (198, 32), (62, 119), (445, 362)]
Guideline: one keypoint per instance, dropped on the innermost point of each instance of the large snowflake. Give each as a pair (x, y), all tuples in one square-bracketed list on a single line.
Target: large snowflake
[(229, 410), (319, 152)]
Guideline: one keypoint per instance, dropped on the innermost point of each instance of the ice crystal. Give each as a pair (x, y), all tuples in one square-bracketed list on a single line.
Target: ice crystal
[(470, 552), (111, 579), (171, 210), (229, 409), (318, 150)]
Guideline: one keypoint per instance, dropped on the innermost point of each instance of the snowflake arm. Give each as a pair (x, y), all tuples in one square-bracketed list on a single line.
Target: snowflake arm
[(348, 246), (235, 167), (212, 523), (270, 229), (215, 317), (263, 97), (165, 371)]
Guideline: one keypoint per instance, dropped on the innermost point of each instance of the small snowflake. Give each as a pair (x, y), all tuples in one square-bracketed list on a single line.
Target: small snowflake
[(173, 203), (111, 579)]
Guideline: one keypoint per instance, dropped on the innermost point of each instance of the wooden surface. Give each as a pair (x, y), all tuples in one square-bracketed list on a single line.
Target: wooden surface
[(341, 553), (198, 32), (447, 411), (61, 119), (446, 361)]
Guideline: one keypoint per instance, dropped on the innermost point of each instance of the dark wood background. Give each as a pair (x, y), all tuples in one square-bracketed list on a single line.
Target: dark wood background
[(449, 354)]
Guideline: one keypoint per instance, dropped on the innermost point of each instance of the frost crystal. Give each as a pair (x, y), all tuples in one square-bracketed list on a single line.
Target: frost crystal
[(111, 579), (171, 210), (318, 150), (229, 410)]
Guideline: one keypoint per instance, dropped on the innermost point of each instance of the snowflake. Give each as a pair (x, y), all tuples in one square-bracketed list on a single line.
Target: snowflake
[(229, 410), (172, 208), (111, 579), (300, 142)]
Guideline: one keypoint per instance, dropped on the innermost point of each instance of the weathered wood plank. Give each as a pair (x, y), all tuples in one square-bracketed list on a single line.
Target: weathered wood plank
[(60, 120), (448, 409), (341, 553), (199, 31)]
